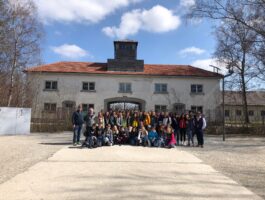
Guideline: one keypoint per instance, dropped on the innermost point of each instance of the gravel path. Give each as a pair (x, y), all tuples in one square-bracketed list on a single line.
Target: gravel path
[(18, 153), (240, 158)]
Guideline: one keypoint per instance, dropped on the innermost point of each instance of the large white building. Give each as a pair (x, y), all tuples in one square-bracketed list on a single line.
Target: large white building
[(124, 82)]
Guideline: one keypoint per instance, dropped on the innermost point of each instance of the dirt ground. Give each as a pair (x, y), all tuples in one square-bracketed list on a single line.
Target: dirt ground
[(18, 153), (240, 158)]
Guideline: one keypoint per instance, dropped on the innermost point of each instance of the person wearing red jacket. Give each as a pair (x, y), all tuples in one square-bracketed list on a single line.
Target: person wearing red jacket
[(170, 137), (182, 129)]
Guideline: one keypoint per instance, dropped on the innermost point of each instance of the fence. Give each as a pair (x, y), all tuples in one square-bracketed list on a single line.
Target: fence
[(52, 121), (60, 120)]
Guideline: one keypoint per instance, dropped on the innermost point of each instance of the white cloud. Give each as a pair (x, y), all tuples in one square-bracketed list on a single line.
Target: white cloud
[(187, 3), (70, 51), (87, 11), (158, 20), (205, 64), (191, 50)]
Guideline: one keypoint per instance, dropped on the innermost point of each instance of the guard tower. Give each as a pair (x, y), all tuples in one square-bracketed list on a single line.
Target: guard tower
[(125, 57)]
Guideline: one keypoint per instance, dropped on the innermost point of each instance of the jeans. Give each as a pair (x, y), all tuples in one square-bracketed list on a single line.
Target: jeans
[(77, 132), (200, 139), (161, 142), (154, 142), (107, 141), (91, 141), (144, 140), (133, 140), (182, 135), (100, 141), (190, 136)]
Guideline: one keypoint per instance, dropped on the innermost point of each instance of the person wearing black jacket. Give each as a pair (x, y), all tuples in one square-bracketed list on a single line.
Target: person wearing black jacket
[(77, 121), (199, 129)]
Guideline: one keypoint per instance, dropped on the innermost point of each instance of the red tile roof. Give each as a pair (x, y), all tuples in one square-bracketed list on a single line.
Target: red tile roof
[(101, 68)]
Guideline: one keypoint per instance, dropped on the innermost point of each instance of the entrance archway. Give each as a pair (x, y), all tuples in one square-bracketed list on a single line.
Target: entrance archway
[(124, 103), (123, 106)]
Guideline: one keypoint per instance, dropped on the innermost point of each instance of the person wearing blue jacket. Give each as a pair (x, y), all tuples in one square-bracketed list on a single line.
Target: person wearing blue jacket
[(77, 121), (190, 128), (152, 137)]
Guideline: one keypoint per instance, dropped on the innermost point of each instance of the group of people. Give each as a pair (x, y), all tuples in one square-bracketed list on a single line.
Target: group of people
[(155, 129)]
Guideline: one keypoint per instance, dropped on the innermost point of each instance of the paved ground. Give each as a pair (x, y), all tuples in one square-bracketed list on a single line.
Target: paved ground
[(122, 172)]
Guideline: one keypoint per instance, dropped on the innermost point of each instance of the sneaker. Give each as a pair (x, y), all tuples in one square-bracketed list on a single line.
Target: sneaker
[(75, 144)]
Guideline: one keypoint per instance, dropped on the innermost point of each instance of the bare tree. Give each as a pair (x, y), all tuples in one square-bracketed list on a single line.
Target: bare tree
[(235, 46), (20, 42), (240, 31), (249, 14)]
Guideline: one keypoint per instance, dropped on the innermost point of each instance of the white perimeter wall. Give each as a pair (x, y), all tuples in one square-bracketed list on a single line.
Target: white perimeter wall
[(15, 121)]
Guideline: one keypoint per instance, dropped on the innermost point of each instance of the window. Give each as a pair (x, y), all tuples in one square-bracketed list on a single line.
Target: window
[(196, 88), (238, 112), (160, 108), (87, 106), (227, 113), (196, 109), (51, 85), (70, 105), (128, 47), (180, 108), (50, 107), (160, 88), (88, 86), (262, 113), (125, 88), (251, 113), (122, 46)]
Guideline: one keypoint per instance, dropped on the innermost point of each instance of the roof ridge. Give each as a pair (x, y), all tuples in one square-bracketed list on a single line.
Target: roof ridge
[(101, 68), (167, 64)]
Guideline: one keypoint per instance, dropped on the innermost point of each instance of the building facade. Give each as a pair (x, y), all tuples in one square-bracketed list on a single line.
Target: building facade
[(124, 83), (234, 112)]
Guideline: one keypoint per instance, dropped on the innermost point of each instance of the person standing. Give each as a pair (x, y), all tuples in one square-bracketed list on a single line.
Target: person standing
[(175, 126), (167, 119), (77, 121), (200, 123), (182, 127), (190, 129), (153, 119)]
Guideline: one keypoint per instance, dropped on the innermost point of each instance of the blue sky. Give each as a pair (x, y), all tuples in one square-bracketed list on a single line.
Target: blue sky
[(84, 30)]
